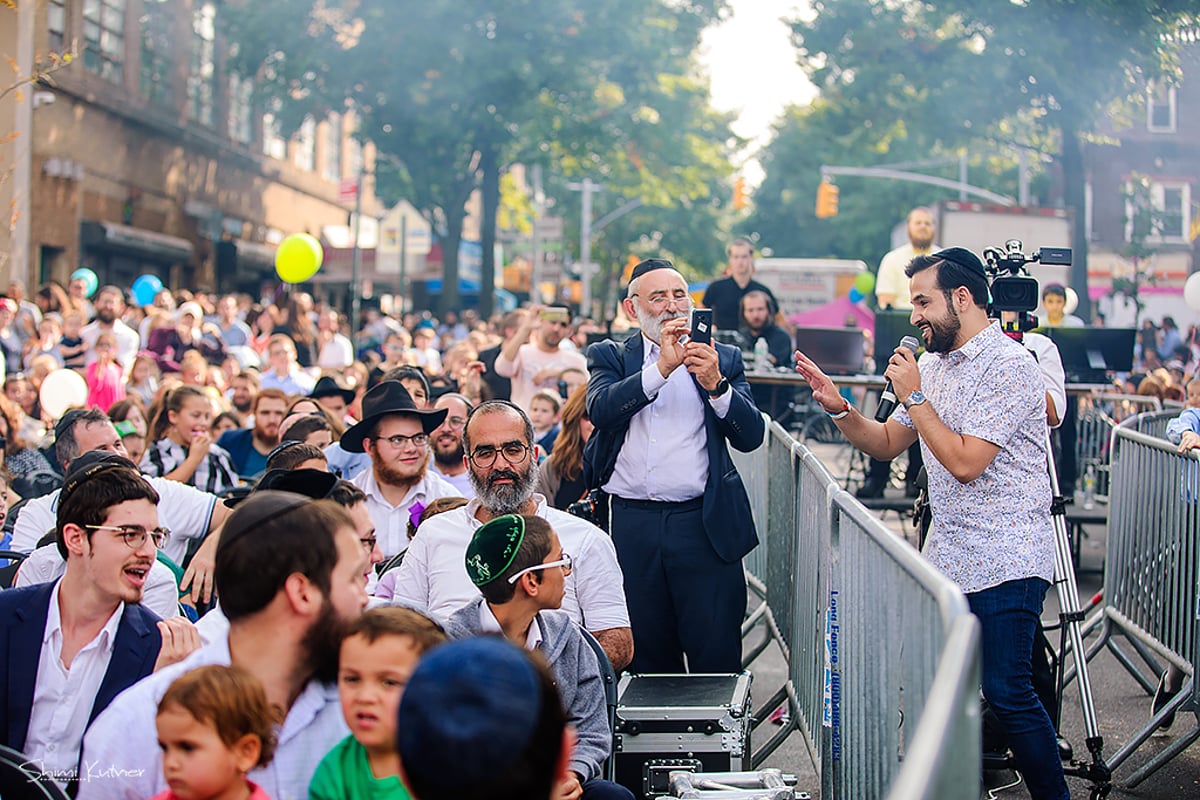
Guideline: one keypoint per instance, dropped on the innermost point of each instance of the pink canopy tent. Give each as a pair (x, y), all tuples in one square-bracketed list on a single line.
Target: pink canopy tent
[(834, 315)]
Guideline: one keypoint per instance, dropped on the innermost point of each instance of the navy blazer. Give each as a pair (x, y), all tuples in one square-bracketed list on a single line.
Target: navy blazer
[(23, 615), (614, 395)]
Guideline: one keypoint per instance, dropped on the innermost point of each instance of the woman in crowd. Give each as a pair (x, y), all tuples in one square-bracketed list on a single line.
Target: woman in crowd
[(560, 477), (20, 459), (181, 443), (132, 410), (302, 331)]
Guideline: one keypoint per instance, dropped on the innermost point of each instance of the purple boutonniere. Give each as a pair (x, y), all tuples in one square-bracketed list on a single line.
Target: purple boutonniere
[(414, 514)]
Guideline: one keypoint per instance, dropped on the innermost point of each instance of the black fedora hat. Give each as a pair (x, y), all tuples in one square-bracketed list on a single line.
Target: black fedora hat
[(328, 387), (384, 399)]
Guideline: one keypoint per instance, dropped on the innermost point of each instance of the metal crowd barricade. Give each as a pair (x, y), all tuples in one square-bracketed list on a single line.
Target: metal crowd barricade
[(1099, 413), (867, 627), (1150, 581)]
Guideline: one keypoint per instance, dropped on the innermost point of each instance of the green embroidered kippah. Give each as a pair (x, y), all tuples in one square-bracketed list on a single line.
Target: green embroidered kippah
[(493, 548)]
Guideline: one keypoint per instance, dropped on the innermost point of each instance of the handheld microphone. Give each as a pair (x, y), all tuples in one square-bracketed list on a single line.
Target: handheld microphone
[(887, 400)]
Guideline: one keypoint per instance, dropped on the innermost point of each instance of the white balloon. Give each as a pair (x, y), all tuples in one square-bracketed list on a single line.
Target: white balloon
[(1072, 301), (1191, 291), (63, 389)]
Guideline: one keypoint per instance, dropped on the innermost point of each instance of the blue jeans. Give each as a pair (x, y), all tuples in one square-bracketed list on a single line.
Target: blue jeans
[(1008, 616)]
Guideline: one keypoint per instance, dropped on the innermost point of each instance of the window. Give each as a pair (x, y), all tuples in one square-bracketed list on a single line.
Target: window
[(274, 145), (306, 145), (333, 148), (1168, 219), (202, 71), (354, 157), (241, 128), (56, 24), (1160, 109), (158, 65), (104, 38)]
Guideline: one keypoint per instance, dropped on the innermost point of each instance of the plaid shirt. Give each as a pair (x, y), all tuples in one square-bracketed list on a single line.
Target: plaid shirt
[(214, 474)]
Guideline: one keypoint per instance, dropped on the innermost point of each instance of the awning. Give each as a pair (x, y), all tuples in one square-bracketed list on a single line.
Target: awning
[(261, 256), (126, 238)]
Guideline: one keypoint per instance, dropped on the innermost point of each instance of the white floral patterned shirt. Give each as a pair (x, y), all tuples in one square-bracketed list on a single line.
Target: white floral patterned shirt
[(996, 528)]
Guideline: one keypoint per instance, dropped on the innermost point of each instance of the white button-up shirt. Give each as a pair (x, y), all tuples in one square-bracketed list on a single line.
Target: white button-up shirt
[(665, 453), (121, 759), (63, 696), (391, 522)]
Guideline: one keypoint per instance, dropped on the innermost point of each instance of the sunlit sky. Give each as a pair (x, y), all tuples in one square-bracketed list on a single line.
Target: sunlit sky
[(753, 69)]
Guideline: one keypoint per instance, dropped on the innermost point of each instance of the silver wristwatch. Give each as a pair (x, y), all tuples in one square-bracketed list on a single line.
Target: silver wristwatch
[(914, 399)]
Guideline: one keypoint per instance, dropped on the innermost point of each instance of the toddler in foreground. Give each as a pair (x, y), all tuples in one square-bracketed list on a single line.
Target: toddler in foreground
[(214, 726), (378, 655)]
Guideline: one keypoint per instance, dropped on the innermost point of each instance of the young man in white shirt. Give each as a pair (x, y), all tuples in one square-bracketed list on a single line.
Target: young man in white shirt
[(70, 646)]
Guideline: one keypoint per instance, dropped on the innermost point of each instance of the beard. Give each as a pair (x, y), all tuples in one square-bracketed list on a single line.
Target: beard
[(449, 458), (386, 474), (651, 324), (506, 498), (943, 334), (321, 643), (106, 316)]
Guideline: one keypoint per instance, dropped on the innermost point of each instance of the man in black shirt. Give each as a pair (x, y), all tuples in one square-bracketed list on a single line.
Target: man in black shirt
[(758, 322), (724, 295)]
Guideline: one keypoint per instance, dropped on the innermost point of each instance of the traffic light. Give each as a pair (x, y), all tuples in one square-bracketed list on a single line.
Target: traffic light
[(827, 200), (739, 194)]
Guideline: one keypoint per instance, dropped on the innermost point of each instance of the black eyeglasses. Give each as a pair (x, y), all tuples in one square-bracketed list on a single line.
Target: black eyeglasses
[(418, 440), (514, 453), (135, 535), (368, 543)]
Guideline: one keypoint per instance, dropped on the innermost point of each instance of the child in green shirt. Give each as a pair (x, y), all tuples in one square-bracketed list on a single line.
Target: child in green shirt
[(379, 653)]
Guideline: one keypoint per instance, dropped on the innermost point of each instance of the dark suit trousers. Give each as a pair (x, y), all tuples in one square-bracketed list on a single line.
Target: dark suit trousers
[(682, 598)]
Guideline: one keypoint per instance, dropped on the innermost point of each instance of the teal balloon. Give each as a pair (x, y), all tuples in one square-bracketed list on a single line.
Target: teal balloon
[(865, 282), (145, 289), (856, 295), (90, 281)]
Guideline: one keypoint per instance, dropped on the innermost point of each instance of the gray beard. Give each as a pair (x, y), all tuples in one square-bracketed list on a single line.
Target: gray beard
[(508, 499), (651, 325)]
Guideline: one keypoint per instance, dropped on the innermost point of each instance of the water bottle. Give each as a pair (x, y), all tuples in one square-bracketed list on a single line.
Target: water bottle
[(761, 358), (1089, 487)]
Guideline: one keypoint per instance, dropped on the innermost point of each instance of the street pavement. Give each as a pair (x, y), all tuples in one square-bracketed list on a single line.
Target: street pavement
[(1122, 706)]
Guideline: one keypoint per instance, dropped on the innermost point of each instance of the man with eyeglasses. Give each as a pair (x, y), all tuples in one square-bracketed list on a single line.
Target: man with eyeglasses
[(394, 432), (68, 647), (534, 362), (519, 566), (664, 410), (447, 442), (498, 440), (190, 513)]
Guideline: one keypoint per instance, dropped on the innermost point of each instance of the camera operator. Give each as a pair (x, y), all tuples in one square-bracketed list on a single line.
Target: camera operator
[(977, 404)]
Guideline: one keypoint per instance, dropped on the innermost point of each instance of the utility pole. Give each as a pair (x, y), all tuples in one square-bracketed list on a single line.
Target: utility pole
[(535, 245), (588, 186), (356, 262)]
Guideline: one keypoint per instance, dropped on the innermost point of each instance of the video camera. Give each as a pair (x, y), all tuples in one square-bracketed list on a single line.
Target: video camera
[(1011, 287)]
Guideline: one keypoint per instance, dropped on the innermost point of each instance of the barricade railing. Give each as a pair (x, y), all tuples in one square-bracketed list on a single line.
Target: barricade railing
[(1150, 580), (1098, 414), (867, 627)]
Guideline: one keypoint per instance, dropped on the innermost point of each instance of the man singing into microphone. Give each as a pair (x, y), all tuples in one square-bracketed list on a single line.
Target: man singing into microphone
[(977, 404)]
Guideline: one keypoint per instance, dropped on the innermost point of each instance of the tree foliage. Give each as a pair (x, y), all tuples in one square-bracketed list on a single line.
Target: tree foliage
[(934, 76), (453, 91)]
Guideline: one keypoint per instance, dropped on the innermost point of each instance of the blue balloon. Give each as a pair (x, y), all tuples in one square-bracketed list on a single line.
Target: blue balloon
[(855, 294), (145, 289)]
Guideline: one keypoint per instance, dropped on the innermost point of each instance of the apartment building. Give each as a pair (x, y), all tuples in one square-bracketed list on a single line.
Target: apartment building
[(148, 155)]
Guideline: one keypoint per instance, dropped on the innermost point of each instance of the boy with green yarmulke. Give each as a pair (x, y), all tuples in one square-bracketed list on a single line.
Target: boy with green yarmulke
[(520, 568)]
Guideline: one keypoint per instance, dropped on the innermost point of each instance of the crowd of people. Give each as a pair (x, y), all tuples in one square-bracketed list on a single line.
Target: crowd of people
[(262, 523), (245, 541)]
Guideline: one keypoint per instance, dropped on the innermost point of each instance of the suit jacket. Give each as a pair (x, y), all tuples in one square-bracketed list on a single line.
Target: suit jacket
[(22, 625), (614, 395)]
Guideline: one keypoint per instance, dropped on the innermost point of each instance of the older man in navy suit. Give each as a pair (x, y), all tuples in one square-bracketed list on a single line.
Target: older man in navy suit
[(664, 410), (67, 648)]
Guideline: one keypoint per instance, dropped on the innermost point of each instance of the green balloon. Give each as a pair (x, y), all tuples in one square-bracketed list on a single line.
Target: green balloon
[(865, 282)]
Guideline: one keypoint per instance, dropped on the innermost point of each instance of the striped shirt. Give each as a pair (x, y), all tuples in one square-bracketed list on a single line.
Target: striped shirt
[(214, 474)]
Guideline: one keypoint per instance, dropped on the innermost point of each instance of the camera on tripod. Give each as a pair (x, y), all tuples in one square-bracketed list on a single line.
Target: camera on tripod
[(1010, 286)]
